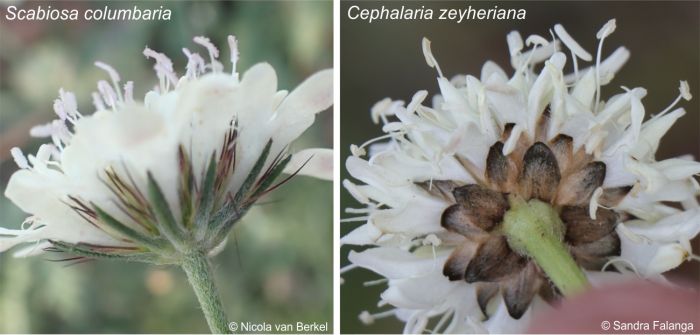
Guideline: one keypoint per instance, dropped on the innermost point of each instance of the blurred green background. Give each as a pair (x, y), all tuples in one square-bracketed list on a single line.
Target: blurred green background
[(384, 59), (277, 266)]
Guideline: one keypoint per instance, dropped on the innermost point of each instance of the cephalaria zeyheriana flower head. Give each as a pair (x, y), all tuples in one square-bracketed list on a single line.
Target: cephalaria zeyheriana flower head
[(439, 190), (155, 179)]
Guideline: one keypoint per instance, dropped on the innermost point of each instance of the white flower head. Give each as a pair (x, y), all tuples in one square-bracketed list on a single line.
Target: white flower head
[(437, 186), (152, 179)]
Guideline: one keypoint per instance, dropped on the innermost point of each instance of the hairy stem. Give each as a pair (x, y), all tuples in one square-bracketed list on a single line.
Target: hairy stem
[(534, 229), (202, 280)]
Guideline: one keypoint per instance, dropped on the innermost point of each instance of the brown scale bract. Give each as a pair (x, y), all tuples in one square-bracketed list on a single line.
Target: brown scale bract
[(550, 171)]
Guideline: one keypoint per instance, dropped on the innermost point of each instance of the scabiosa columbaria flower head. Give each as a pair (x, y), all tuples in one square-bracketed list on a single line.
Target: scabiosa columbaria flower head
[(444, 190), (153, 180)]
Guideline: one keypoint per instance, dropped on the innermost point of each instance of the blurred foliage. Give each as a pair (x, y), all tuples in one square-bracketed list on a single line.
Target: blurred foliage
[(277, 266), (662, 36)]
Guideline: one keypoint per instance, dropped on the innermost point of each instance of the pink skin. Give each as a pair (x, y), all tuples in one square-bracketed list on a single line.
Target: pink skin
[(624, 302)]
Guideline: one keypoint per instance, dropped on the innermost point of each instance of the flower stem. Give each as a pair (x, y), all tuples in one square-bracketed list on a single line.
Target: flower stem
[(534, 229), (202, 281)]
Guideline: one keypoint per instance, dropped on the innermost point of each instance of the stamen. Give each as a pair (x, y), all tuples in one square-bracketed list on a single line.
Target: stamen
[(42, 130), (213, 52), (535, 39), (608, 67), (347, 268), (129, 91), (604, 32), (375, 282), (27, 223), (429, 58), (440, 326), (355, 219), (112, 75), (19, 158), (108, 94), (163, 67), (614, 260), (383, 137), (432, 240), (205, 42), (381, 109), (539, 55), (607, 29), (574, 47), (69, 105), (110, 71), (97, 101), (359, 210), (357, 151), (195, 63), (593, 205), (58, 109), (42, 155), (685, 90), (233, 45), (684, 93), (367, 318)]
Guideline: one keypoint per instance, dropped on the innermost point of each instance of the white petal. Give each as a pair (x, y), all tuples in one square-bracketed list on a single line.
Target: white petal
[(33, 249), (298, 110), (316, 162), (355, 191), (373, 175), (537, 98), (43, 195), (416, 170), (616, 174), (651, 258), (515, 43), (427, 292), (394, 263), (684, 225), (651, 133), (416, 217), (678, 169), (455, 101), (667, 257), (491, 69), (584, 91), (134, 139), (651, 179), (362, 235)]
